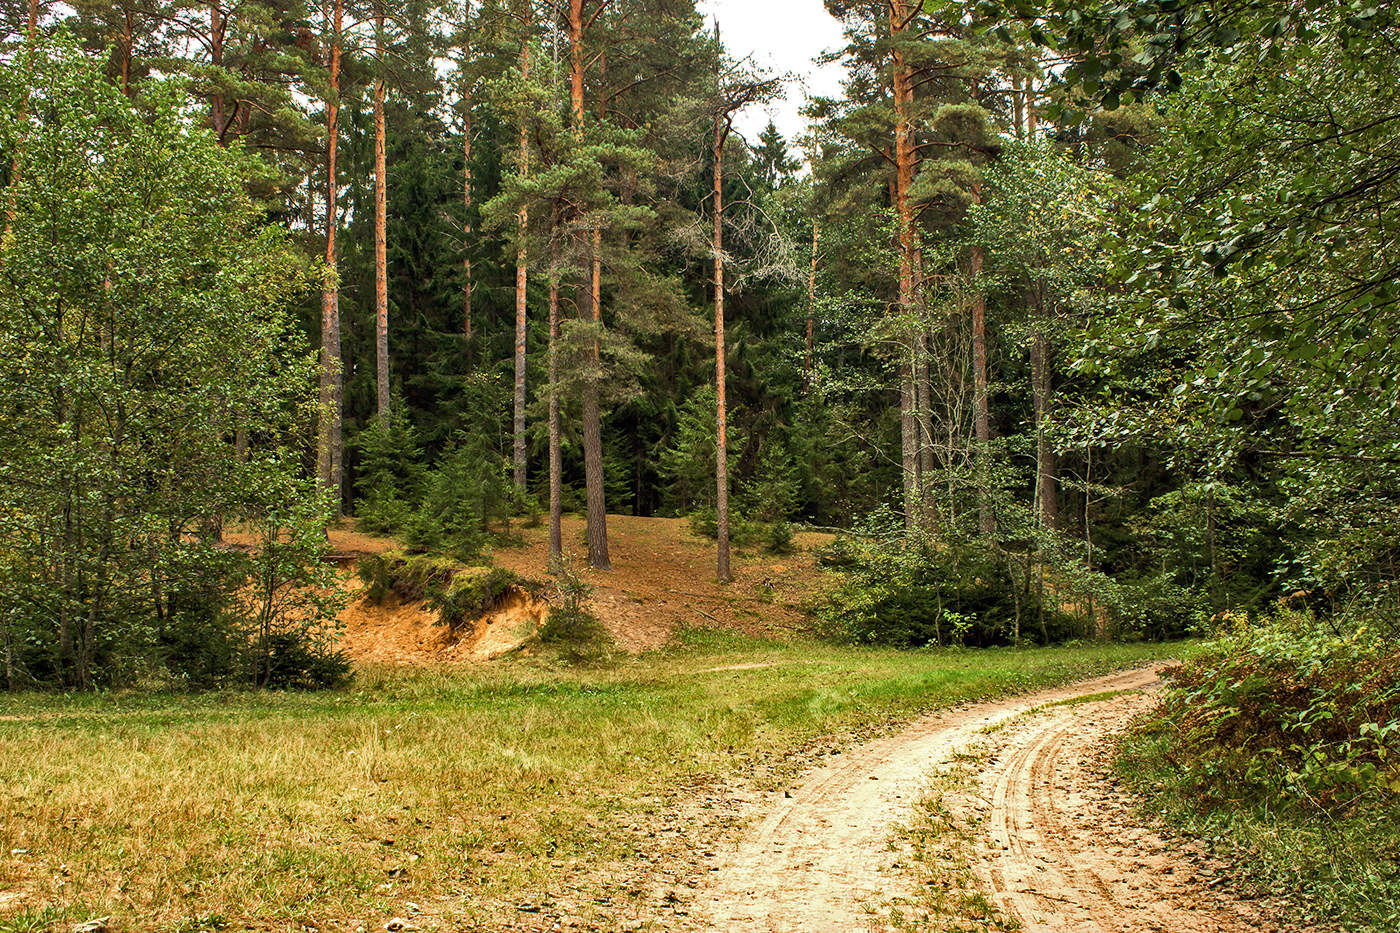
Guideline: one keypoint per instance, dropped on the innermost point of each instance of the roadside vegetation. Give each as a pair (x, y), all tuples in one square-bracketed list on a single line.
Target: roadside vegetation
[(1280, 742)]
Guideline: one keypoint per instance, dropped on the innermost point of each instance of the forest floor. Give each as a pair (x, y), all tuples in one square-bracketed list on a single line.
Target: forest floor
[(662, 581)]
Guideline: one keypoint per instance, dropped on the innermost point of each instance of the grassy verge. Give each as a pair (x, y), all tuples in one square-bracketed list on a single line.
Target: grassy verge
[(1339, 871), (1279, 742), (457, 792)]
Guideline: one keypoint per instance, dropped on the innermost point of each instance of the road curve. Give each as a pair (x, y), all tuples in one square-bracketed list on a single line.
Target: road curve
[(818, 858)]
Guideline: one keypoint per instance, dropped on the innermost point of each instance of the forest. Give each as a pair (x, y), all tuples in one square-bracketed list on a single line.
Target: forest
[(1066, 326)]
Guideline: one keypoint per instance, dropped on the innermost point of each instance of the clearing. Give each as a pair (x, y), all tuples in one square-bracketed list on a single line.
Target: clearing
[(660, 791)]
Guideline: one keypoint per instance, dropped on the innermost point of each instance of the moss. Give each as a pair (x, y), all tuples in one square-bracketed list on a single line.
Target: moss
[(409, 576), (458, 592), (474, 592)]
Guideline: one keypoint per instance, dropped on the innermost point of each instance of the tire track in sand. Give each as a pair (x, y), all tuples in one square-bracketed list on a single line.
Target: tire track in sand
[(1061, 849), (819, 859)]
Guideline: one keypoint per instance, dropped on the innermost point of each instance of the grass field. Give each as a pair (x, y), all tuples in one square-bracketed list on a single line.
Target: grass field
[(461, 797)]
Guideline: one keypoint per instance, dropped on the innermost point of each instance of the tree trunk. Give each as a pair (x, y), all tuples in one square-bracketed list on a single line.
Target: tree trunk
[(556, 464), (217, 25), (721, 413), (923, 400), (124, 72), (592, 417), (381, 264), (811, 308), (521, 281), (328, 441), (980, 401), (904, 176), (1042, 382), (592, 432)]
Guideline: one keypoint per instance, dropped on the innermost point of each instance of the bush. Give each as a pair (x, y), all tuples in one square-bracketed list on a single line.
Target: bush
[(1280, 743), (570, 628), (1288, 709), (914, 595), (778, 538), (457, 592), (472, 593), (742, 533), (291, 660), (409, 576)]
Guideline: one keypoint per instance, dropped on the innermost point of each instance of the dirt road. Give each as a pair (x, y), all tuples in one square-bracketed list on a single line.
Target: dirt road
[(1057, 846)]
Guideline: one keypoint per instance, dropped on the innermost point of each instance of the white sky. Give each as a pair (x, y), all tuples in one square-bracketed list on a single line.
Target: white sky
[(786, 36)]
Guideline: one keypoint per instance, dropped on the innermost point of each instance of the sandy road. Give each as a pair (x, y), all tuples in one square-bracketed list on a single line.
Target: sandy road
[(1058, 847)]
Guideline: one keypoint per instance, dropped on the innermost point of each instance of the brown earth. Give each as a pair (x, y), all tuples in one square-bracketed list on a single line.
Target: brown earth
[(409, 633), (663, 579)]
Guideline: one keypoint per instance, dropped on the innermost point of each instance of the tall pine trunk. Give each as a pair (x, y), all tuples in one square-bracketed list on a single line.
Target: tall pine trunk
[(721, 413), (904, 176), (381, 264), (328, 441), (218, 23), (556, 462), (1042, 391), (521, 281), (592, 417)]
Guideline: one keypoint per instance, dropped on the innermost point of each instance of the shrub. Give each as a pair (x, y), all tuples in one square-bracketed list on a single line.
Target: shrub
[(778, 538), (742, 532), (457, 592), (409, 576), (1288, 709), (914, 595), (472, 593), (570, 628)]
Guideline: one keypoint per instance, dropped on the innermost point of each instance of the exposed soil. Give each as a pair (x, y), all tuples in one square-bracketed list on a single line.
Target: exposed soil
[(663, 579), (409, 633), (1062, 849), (1058, 848)]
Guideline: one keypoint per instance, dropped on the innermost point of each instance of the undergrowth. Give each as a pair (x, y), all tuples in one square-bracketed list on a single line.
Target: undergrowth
[(1280, 741)]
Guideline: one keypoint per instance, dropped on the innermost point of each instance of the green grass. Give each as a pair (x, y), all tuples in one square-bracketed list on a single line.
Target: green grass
[(465, 791)]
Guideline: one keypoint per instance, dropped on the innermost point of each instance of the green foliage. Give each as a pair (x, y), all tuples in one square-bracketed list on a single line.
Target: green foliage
[(457, 592), (922, 595), (743, 533), (688, 462), (472, 593), (778, 538), (770, 493), (389, 473), (1279, 741), (407, 576), (1288, 710), (450, 508), (462, 497), (144, 315)]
